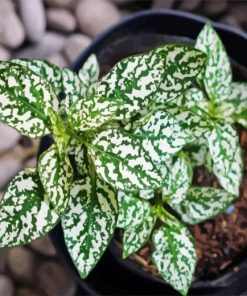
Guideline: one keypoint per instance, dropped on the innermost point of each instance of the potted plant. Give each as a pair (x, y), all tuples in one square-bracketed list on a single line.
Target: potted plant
[(133, 140)]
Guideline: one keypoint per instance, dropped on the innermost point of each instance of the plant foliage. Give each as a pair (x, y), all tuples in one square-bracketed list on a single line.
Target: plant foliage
[(134, 137)]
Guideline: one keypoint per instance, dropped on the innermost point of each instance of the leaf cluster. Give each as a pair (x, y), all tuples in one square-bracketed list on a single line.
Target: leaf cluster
[(135, 136)]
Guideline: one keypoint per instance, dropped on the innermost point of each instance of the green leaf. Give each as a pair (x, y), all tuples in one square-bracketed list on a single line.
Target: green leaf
[(25, 100), (181, 178), (89, 222), (90, 71), (25, 215), (91, 112), (218, 74), (162, 136), (146, 194), (193, 123), (179, 67), (78, 150), (121, 161), (199, 154), (47, 70), (227, 157), (196, 100), (202, 203), (175, 256), (136, 237), (132, 81), (56, 175), (72, 85), (236, 102), (132, 210)]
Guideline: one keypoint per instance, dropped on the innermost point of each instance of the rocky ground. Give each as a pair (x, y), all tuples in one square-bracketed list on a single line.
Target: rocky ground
[(59, 30)]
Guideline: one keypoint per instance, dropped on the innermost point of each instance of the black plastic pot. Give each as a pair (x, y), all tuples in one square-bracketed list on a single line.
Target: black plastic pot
[(140, 32)]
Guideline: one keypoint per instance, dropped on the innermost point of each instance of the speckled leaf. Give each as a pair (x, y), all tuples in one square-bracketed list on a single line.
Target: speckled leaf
[(78, 151), (24, 213), (146, 194), (133, 81), (162, 136), (90, 71), (91, 112), (122, 162), (56, 175), (72, 86), (180, 66), (194, 124), (135, 237), (175, 256), (218, 74), (199, 154), (227, 157), (202, 203), (196, 100), (132, 210), (235, 104), (25, 100), (47, 70), (89, 222), (181, 178)]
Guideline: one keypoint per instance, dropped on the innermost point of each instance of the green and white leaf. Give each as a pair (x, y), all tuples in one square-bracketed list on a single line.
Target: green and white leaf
[(89, 222), (91, 112), (197, 101), (227, 159), (132, 81), (49, 71), (72, 85), (25, 100), (121, 161), (25, 215), (202, 203), (90, 71), (175, 256), (180, 181), (137, 236), (236, 102), (132, 210), (56, 175), (179, 66), (218, 74), (193, 123), (146, 194), (199, 154), (162, 136)]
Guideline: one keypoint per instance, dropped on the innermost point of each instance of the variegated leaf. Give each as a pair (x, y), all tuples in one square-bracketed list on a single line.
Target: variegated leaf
[(193, 123), (199, 154), (162, 136), (227, 159), (89, 222), (132, 210), (47, 70), (202, 203), (72, 85), (132, 81), (146, 194), (136, 236), (56, 175), (91, 112), (235, 105), (175, 256), (218, 74), (80, 159), (121, 161), (196, 100), (24, 213), (181, 178), (179, 67), (90, 71), (25, 100)]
